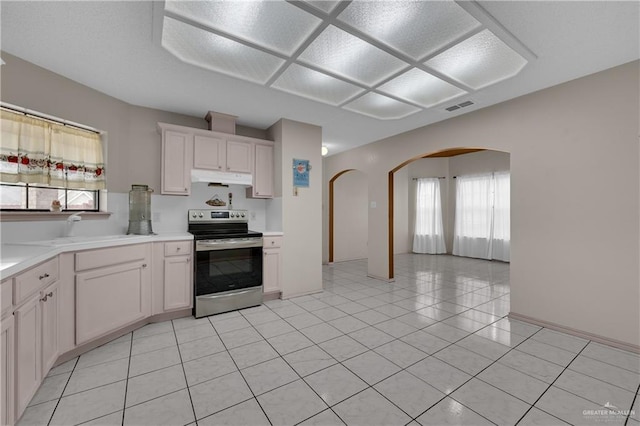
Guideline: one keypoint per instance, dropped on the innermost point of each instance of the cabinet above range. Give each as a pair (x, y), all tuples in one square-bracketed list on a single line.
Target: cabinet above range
[(187, 151)]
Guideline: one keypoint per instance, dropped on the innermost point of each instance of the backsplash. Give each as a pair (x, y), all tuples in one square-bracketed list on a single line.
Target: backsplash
[(169, 215)]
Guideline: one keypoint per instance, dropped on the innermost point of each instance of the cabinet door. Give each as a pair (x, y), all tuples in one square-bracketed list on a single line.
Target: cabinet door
[(6, 371), (271, 270), (50, 307), (238, 156), (208, 152), (176, 163), (177, 282), (28, 352), (110, 298), (263, 173)]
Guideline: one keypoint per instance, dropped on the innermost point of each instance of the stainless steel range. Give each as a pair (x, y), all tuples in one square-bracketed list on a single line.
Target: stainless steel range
[(228, 267)]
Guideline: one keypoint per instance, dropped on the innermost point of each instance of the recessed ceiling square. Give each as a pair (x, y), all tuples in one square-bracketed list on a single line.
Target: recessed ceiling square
[(421, 88), (216, 53), (343, 54), (479, 61), (381, 107), (311, 84), (275, 25), (415, 28)]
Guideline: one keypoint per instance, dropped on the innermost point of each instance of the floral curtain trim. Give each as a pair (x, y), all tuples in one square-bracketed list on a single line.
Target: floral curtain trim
[(37, 151)]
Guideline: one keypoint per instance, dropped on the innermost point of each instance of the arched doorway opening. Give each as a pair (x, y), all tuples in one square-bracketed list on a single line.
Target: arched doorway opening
[(348, 220), (467, 160)]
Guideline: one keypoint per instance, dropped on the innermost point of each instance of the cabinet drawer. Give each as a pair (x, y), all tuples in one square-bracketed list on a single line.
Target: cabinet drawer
[(34, 279), (99, 258), (271, 242), (6, 295), (177, 248)]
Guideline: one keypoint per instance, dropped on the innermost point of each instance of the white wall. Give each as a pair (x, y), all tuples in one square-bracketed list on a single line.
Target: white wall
[(350, 216), (301, 213), (575, 247), (402, 227)]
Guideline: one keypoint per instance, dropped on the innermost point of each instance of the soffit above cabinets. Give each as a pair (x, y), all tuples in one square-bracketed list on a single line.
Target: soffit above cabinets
[(383, 59)]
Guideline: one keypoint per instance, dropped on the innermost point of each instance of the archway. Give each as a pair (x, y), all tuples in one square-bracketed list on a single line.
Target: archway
[(453, 152), (347, 236)]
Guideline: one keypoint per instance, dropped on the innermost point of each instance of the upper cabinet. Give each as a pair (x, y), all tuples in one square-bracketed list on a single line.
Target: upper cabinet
[(239, 156), (262, 172), (184, 149), (177, 150), (209, 153)]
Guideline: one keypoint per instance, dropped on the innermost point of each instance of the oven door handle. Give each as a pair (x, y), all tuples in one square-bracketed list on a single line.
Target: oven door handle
[(226, 245)]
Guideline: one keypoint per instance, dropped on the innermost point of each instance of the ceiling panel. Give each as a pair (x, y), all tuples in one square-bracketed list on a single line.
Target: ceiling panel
[(314, 85), (415, 28), (421, 88), (276, 25), (341, 53), (210, 51), (479, 61), (382, 107)]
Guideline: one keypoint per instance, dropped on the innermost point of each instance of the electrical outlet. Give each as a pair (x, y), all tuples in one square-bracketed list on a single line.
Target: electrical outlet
[(253, 215)]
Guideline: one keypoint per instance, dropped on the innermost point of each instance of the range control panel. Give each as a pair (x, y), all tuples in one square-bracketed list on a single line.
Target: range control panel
[(202, 216)]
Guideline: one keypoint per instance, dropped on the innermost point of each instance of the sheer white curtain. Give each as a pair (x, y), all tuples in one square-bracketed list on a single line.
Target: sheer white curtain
[(428, 235), (482, 223)]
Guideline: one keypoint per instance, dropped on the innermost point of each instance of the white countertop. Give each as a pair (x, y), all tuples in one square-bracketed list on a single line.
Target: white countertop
[(272, 234), (16, 257)]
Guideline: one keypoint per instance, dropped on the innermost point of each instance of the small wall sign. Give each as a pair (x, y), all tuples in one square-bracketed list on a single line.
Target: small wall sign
[(301, 173)]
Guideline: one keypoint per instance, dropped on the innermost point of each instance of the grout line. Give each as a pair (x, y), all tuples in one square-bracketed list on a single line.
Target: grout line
[(175, 335), (62, 394)]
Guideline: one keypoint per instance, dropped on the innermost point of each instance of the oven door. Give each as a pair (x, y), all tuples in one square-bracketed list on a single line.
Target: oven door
[(227, 265)]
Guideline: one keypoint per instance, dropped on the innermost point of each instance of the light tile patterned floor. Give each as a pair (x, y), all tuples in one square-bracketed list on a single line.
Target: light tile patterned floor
[(432, 348)]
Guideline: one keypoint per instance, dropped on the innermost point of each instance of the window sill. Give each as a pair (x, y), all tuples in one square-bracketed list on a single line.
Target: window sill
[(43, 216)]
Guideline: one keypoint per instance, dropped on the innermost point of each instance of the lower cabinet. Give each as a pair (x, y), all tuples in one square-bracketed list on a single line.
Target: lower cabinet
[(271, 264), (6, 370), (177, 282), (111, 298), (28, 371)]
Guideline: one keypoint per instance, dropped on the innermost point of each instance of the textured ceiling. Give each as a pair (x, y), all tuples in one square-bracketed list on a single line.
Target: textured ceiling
[(115, 47)]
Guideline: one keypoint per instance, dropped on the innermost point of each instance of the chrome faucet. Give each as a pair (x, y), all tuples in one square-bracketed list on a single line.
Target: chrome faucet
[(71, 221)]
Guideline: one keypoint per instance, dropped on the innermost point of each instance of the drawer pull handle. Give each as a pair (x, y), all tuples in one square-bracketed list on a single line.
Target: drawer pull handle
[(144, 265), (178, 248), (46, 296), (44, 276)]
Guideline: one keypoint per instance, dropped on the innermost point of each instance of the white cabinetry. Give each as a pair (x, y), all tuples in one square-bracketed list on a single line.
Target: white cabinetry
[(262, 172), (177, 150), (272, 264), (209, 153), (172, 282), (6, 353), (238, 156), (36, 336), (113, 289)]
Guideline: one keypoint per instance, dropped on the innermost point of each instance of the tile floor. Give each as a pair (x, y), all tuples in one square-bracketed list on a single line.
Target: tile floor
[(433, 348)]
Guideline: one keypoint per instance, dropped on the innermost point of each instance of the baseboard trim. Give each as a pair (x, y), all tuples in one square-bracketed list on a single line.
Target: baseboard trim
[(578, 333), (386, 280), (271, 295)]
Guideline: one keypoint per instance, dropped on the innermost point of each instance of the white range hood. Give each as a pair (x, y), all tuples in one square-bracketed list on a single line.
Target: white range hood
[(224, 178)]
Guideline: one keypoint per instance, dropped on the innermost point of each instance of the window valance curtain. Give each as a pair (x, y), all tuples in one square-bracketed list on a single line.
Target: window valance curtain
[(37, 151)]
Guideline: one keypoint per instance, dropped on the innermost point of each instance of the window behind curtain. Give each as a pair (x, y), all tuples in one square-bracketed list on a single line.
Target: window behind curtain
[(482, 222), (42, 160), (429, 235)]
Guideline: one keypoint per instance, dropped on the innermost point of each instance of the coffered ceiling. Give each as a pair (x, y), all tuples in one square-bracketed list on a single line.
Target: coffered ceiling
[(363, 70)]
